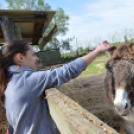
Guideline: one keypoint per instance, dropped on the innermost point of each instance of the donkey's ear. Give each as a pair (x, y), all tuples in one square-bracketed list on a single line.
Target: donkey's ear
[(111, 50), (105, 41)]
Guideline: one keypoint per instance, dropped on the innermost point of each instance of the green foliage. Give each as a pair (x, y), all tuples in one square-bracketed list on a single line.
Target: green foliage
[(102, 56), (80, 49), (117, 44), (61, 20), (38, 5), (72, 55), (95, 67), (126, 40), (59, 44)]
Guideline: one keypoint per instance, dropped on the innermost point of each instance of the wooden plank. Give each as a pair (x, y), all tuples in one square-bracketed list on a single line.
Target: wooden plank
[(24, 36), (41, 17), (45, 40), (26, 28), (73, 117), (60, 119), (37, 30), (24, 13), (38, 26), (65, 116), (30, 44), (10, 30), (25, 20), (32, 24)]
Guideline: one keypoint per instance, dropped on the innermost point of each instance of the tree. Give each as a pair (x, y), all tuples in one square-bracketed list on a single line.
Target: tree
[(59, 44), (80, 49), (88, 45), (126, 32), (60, 18), (125, 38), (38, 5)]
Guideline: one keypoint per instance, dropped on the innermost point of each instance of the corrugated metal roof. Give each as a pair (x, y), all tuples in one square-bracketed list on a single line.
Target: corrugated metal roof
[(32, 24)]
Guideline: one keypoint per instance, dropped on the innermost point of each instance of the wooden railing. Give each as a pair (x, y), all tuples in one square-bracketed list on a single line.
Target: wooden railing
[(71, 118)]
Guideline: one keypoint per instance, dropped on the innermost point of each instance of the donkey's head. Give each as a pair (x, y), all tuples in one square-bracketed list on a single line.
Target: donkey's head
[(119, 82)]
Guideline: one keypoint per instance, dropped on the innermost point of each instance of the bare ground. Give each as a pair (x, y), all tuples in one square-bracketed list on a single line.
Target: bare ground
[(90, 94)]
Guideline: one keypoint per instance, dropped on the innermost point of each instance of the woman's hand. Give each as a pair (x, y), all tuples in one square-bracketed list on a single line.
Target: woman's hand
[(101, 48)]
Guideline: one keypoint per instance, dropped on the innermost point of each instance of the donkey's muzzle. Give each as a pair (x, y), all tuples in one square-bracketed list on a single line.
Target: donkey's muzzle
[(122, 108), (121, 102)]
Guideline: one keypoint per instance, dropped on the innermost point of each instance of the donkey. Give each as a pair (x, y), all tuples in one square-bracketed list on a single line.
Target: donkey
[(119, 85)]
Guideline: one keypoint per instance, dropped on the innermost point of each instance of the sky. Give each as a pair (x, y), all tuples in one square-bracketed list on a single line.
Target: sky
[(92, 21)]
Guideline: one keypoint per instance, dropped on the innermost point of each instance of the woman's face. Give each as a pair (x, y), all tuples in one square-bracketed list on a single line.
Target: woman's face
[(30, 59)]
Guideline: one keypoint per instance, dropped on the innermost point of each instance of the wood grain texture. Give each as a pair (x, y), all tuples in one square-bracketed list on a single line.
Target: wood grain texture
[(71, 118)]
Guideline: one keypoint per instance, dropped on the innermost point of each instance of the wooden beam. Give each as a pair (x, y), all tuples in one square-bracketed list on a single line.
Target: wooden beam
[(30, 44), (34, 44), (24, 36), (27, 20), (45, 40), (38, 26), (37, 30)]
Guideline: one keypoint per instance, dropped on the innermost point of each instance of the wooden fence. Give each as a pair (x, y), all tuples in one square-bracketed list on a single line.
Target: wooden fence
[(71, 118)]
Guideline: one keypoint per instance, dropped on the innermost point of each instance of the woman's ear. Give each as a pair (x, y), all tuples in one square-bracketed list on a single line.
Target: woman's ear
[(19, 58)]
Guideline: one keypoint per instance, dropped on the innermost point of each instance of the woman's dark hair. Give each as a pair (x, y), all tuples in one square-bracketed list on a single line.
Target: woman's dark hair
[(7, 53)]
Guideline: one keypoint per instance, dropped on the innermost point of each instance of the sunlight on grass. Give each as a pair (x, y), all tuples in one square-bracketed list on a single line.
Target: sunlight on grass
[(94, 68), (102, 56)]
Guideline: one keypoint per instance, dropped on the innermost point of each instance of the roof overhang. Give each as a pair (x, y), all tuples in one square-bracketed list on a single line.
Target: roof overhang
[(32, 24)]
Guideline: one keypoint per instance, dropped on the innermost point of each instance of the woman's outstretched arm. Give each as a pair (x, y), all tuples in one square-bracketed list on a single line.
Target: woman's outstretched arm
[(100, 49), (42, 80)]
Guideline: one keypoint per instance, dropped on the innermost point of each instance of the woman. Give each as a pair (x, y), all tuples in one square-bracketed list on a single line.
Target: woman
[(22, 87)]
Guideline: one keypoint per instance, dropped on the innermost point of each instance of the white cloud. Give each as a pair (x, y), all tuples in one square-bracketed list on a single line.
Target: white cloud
[(101, 18), (112, 11)]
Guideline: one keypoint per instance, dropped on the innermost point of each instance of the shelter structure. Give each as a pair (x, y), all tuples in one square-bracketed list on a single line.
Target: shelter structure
[(27, 25)]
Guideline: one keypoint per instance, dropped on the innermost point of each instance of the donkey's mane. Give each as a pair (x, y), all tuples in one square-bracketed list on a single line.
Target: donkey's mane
[(124, 52)]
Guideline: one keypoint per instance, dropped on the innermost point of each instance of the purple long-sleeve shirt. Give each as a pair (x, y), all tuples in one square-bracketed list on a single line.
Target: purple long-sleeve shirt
[(26, 110)]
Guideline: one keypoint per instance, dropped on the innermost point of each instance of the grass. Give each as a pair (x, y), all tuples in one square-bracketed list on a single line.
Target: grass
[(102, 56), (98, 66)]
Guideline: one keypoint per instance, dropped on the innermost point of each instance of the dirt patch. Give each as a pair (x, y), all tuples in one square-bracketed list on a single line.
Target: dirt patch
[(100, 65), (89, 93)]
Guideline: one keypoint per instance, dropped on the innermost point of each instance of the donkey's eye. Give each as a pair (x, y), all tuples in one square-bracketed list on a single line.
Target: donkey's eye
[(111, 70)]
